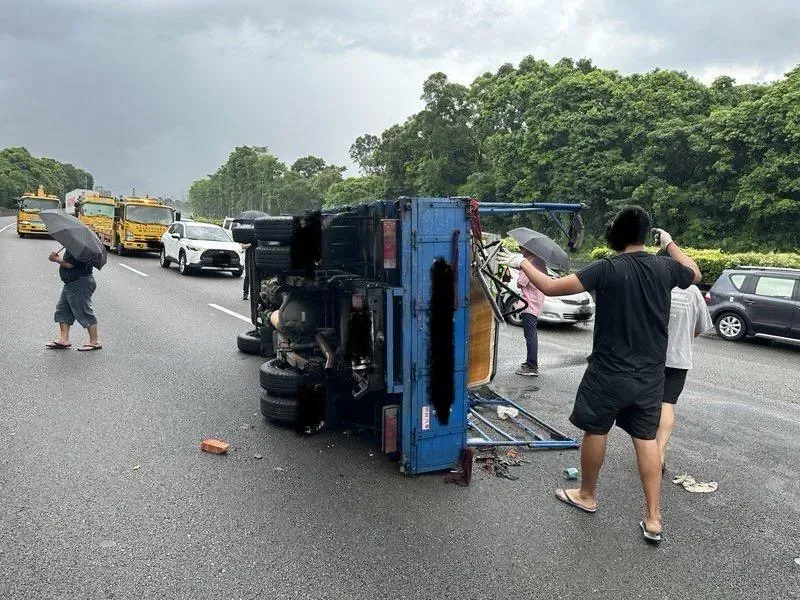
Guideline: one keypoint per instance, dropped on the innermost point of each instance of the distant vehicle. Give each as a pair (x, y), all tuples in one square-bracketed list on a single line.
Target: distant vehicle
[(571, 309), (196, 246), (138, 225), (97, 213), (756, 301), (28, 208)]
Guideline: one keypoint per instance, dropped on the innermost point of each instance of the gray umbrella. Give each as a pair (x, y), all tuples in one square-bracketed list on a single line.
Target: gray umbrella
[(542, 246), (80, 241)]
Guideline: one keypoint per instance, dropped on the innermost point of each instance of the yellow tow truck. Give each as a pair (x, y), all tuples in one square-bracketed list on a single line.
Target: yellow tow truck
[(138, 225), (28, 209), (97, 213)]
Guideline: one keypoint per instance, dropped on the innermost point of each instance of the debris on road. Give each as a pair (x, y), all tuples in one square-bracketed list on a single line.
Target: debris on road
[(690, 484), (497, 465), (571, 473), (214, 446), (137, 467), (463, 475), (504, 412), (257, 456), (280, 469), (247, 426)]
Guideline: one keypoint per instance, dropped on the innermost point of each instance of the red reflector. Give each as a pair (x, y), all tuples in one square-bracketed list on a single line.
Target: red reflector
[(389, 243), (390, 414)]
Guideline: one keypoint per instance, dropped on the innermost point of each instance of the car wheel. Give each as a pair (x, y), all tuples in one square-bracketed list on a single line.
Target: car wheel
[(273, 259), (274, 229), (163, 260), (249, 342), (183, 268), (121, 249), (280, 379), (514, 319), (279, 410), (731, 326), (237, 273)]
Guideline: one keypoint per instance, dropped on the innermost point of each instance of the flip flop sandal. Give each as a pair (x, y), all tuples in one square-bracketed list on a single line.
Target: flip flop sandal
[(564, 497), (57, 346), (653, 538), (89, 348)]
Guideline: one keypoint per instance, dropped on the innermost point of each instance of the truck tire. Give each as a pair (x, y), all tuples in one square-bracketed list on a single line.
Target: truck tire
[(274, 229), (121, 249), (243, 233), (279, 410), (273, 259), (249, 342), (280, 380)]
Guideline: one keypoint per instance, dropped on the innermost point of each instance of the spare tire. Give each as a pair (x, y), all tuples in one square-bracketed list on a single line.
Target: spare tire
[(280, 380), (274, 229), (279, 410), (243, 234), (249, 342), (273, 259)]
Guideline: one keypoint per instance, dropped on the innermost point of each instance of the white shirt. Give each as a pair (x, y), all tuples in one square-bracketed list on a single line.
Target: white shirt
[(688, 317)]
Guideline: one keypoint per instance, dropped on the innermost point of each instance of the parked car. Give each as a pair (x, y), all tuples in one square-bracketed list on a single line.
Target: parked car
[(761, 301), (196, 246), (571, 309)]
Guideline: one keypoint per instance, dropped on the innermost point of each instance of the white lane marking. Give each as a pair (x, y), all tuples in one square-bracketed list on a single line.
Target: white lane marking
[(7, 226), (134, 270), (231, 313)]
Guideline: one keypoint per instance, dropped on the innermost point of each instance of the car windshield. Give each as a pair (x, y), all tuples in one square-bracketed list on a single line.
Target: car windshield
[(155, 215), (37, 204), (211, 234), (92, 209)]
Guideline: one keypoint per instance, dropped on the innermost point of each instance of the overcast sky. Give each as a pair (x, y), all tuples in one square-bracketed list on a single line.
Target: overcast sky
[(156, 93)]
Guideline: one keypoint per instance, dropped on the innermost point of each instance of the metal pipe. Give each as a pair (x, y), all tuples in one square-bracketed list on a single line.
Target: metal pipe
[(493, 426), (326, 350)]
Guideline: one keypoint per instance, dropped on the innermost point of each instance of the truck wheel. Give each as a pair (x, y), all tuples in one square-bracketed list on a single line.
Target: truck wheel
[(163, 260), (280, 379), (273, 259), (274, 229), (243, 234), (249, 342), (21, 235), (279, 410), (121, 249)]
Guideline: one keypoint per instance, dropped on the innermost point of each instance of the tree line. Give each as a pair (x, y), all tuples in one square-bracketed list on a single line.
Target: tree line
[(20, 172), (717, 165)]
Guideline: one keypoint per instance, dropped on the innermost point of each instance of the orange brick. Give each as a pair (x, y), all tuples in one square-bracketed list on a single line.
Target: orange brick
[(214, 446)]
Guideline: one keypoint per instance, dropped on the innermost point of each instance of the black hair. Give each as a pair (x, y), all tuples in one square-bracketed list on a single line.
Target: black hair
[(629, 228)]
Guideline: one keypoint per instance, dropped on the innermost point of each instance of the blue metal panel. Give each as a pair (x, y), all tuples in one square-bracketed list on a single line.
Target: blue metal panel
[(429, 229)]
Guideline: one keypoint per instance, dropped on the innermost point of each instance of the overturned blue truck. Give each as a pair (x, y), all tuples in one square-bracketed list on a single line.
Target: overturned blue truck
[(383, 317)]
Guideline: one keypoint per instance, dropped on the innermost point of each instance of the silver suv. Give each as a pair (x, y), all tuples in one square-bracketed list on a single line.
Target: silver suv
[(763, 301)]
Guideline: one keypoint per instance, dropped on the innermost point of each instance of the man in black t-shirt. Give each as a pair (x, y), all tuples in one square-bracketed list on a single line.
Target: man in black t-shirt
[(75, 303), (623, 382)]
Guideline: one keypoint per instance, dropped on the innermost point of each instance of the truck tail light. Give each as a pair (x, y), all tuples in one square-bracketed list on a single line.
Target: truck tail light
[(389, 243)]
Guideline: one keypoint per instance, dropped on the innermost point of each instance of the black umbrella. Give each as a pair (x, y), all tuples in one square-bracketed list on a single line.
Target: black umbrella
[(542, 246), (80, 241), (249, 216)]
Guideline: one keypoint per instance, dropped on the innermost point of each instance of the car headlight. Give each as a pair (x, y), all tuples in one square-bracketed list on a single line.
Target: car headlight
[(128, 236), (24, 222), (192, 248)]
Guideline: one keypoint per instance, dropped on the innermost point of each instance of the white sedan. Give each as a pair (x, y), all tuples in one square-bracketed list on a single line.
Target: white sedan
[(572, 309), (196, 246)]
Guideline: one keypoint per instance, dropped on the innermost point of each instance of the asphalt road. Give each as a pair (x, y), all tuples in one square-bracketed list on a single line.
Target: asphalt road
[(329, 516)]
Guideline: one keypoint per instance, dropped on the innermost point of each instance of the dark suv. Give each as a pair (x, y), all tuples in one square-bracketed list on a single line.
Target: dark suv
[(756, 301)]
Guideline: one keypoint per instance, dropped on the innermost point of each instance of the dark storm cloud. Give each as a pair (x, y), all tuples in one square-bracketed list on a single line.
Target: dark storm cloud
[(155, 93)]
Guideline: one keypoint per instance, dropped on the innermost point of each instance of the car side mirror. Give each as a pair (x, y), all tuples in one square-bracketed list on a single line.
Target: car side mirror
[(177, 236)]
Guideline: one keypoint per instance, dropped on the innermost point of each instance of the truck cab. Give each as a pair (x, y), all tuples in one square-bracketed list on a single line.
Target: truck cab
[(29, 206), (97, 213), (139, 224)]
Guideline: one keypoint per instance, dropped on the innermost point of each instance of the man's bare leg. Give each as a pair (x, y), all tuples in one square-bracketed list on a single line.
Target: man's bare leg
[(93, 335), (593, 453), (648, 456), (63, 333), (665, 429)]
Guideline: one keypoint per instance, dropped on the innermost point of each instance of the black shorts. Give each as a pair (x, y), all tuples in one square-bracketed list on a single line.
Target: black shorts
[(674, 380), (632, 401)]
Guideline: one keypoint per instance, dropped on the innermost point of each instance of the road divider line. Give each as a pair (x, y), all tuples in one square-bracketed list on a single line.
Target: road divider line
[(2, 229), (231, 313), (132, 269)]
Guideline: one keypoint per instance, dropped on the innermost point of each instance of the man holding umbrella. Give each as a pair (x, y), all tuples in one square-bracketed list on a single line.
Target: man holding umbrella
[(82, 253)]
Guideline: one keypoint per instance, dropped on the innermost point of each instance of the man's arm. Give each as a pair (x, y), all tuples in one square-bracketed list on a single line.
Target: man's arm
[(551, 287), (676, 253), (54, 257)]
